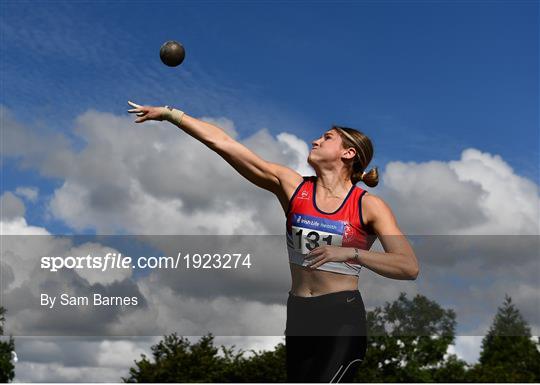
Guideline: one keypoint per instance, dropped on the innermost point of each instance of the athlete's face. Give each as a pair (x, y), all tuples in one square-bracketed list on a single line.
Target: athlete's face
[(328, 147)]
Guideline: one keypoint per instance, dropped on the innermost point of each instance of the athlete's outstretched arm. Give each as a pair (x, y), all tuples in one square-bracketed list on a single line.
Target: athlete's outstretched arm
[(270, 176)]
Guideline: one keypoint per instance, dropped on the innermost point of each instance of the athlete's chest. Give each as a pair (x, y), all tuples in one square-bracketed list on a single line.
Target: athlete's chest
[(310, 225), (344, 209), (328, 205)]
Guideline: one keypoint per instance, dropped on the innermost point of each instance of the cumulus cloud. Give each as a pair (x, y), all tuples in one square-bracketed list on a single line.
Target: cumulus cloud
[(105, 359), (155, 177), (45, 151), (226, 302), (479, 194), (467, 348), (477, 219), (19, 226), (12, 207), (29, 193), (76, 359)]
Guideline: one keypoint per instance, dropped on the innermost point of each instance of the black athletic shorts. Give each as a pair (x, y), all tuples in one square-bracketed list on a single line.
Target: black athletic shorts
[(325, 337)]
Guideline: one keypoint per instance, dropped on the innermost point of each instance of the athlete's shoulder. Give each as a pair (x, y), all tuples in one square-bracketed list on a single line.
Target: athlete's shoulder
[(306, 180), (375, 207), (371, 201)]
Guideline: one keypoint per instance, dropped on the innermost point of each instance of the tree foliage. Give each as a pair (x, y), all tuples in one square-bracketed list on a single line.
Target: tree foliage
[(508, 352), (408, 341), (7, 369), (175, 359)]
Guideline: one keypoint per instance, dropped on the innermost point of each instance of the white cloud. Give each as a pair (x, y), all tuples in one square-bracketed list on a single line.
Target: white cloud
[(119, 354), (170, 185), (57, 372), (75, 359), (467, 348), (476, 195), (20, 226), (11, 206), (30, 193), (169, 309), (161, 178), (511, 203), (72, 359)]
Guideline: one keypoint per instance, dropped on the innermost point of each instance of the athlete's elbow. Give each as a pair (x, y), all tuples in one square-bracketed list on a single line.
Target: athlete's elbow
[(413, 273), (219, 142), (412, 269)]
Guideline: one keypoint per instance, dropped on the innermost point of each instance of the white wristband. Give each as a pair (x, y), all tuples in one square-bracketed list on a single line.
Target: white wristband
[(175, 114)]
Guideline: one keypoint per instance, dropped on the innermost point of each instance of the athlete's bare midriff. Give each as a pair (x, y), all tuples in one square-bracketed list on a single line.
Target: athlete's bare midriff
[(307, 282)]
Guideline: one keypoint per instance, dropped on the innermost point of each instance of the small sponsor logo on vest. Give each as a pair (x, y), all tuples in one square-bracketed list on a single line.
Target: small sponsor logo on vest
[(304, 195)]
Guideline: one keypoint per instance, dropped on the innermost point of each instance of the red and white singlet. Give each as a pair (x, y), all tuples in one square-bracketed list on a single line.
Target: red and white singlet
[(308, 227)]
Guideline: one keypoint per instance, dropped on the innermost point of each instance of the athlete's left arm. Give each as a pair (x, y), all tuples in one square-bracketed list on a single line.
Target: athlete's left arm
[(399, 260)]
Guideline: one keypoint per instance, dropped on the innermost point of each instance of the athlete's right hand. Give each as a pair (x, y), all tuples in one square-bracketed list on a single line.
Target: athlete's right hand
[(147, 112)]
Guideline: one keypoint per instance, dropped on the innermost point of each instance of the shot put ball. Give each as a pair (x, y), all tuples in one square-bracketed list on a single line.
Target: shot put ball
[(172, 53)]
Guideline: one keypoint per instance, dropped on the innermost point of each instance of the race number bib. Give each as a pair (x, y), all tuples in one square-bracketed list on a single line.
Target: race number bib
[(309, 232)]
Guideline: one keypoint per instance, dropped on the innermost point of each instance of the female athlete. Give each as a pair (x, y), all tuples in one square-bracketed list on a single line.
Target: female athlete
[(330, 225)]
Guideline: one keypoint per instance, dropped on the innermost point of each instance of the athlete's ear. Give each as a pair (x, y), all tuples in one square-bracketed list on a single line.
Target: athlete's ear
[(349, 153)]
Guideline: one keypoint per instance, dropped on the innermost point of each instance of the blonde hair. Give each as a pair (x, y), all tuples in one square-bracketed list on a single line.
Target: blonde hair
[(364, 153)]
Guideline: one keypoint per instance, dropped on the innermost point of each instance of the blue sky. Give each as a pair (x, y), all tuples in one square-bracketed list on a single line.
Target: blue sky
[(423, 79)]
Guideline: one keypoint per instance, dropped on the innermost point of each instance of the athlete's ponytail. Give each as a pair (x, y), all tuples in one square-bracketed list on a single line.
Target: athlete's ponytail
[(364, 153), (370, 178)]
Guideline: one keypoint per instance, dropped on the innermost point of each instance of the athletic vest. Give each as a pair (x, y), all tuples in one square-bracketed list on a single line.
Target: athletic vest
[(307, 227)]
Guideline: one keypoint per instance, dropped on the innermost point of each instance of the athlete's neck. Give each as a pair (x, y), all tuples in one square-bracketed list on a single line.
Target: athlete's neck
[(332, 185)]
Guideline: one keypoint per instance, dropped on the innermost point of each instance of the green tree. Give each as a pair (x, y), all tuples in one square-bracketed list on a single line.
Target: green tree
[(175, 359), (407, 342), (263, 366), (508, 354), (415, 349), (452, 369), (7, 369)]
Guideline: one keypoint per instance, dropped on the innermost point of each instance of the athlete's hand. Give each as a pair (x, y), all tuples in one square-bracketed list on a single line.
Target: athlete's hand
[(327, 253), (147, 112)]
